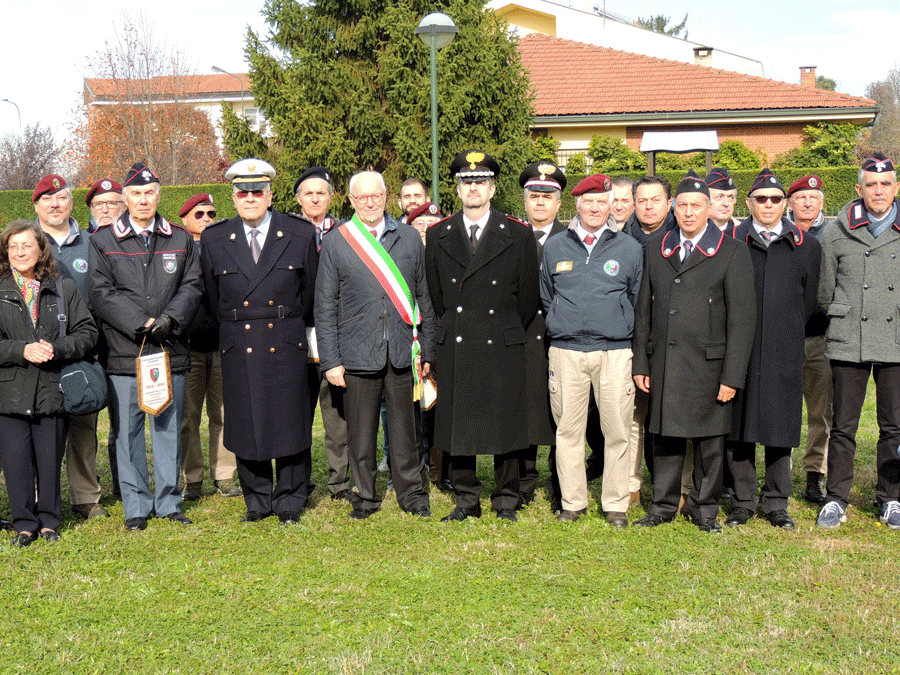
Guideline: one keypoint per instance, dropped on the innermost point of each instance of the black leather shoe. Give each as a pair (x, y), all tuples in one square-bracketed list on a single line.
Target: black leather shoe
[(346, 494), (780, 518), (617, 519), (565, 516), (178, 517), (460, 513), (525, 498), (133, 524), (422, 512), (814, 488), (444, 485), (50, 535), (738, 516), (507, 514), (359, 513), (651, 520), (254, 516), (6, 524), (23, 539), (710, 525), (556, 505), (289, 517)]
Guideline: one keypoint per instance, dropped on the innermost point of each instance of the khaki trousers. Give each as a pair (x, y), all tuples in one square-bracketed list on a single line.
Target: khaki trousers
[(571, 375), (204, 381), (81, 459), (818, 391)]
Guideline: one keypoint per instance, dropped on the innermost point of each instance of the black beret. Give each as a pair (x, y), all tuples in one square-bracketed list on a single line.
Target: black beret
[(313, 172)]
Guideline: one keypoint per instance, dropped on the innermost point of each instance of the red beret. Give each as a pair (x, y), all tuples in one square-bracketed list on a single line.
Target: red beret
[(597, 183), (48, 185), (806, 183), (188, 206), (101, 186), (427, 209)]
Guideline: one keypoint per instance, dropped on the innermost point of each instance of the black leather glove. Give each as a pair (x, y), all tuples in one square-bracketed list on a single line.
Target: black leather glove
[(142, 333), (162, 328)]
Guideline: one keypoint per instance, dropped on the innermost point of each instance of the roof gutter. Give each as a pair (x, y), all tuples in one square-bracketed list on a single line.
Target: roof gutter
[(705, 117)]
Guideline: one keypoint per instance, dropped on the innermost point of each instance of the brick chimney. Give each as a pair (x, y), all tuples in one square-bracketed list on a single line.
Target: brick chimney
[(808, 76), (703, 56)]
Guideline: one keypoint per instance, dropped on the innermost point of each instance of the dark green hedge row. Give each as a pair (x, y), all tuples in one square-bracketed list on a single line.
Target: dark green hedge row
[(838, 182), (17, 203)]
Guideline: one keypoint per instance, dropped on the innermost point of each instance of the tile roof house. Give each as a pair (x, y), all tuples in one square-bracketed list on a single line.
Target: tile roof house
[(204, 92), (583, 90)]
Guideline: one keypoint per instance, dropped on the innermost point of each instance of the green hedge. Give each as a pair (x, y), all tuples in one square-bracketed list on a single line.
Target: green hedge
[(17, 203), (838, 181)]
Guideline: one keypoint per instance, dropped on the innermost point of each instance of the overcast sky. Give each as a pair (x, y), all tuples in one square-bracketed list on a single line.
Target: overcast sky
[(46, 45)]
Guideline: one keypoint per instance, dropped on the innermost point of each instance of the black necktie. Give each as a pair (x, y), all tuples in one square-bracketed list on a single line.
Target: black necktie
[(473, 235), (145, 235), (688, 247)]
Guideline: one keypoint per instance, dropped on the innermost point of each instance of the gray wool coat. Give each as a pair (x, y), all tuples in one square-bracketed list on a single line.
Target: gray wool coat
[(859, 289)]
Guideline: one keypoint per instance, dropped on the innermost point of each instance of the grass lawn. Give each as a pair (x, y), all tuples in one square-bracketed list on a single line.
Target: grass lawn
[(397, 594)]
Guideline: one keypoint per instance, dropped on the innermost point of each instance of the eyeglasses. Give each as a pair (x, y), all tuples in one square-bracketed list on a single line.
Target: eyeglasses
[(24, 248), (243, 194), (200, 214), (105, 205), (768, 198), (375, 197)]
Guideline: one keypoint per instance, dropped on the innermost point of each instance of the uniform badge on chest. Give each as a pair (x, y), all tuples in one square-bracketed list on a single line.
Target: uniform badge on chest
[(170, 264)]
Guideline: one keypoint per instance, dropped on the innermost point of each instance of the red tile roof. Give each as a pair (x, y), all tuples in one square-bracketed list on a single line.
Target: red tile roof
[(573, 78), (205, 86)]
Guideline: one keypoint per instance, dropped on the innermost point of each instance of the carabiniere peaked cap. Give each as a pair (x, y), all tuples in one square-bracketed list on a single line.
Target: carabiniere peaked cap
[(250, 174)]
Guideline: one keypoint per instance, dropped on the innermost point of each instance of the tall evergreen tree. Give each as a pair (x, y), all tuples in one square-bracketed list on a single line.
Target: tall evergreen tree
[(345, 84)]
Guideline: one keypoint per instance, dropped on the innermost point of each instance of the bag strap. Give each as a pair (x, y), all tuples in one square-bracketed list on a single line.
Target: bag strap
[(60, 316)]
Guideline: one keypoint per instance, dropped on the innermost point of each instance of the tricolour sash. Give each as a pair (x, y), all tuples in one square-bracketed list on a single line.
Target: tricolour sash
[(382, 266)]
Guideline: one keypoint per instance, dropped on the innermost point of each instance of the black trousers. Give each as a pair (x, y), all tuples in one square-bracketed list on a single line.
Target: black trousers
[(291, 489), (465, 481), (407, 463), (32, 449), (778, 484), (850, 381), (331, 404), (668, 458)]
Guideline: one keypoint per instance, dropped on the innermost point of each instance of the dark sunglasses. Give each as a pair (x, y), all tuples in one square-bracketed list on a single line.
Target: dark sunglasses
[(762, 200), (200, 214), (242, 194)]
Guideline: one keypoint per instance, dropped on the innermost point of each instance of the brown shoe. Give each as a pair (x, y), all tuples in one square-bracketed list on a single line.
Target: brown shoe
[(617, 519), (227, 488), (192, 492), (569, 516), (87, 511)]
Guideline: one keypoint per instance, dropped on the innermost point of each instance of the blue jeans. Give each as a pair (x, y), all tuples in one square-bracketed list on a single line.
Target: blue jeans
[(131, 450)]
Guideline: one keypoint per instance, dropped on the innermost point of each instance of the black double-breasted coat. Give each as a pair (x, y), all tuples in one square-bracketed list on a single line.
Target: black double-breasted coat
[(483, 302), (769, 409), (693, 331), (541, 430), (262, 309)]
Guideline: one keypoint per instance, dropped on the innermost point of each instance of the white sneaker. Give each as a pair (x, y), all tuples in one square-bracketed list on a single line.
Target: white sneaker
[(831, 516), (890, 514)]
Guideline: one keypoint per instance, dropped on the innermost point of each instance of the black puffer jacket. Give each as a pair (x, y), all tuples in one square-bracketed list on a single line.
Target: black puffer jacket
[(27, 388)]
